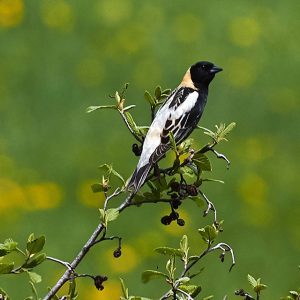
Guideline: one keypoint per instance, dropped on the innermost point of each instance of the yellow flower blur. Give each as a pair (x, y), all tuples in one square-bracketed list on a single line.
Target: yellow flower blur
[(11, 12)]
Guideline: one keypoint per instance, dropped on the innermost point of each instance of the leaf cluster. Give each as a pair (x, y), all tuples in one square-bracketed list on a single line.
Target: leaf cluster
[(32, 256)]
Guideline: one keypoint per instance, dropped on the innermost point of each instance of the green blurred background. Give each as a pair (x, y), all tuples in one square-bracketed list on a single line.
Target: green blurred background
[(58, 57)]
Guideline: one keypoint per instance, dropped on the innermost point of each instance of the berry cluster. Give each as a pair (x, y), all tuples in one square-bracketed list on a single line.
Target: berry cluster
[(98, 281), (167, 220), (178, 192)]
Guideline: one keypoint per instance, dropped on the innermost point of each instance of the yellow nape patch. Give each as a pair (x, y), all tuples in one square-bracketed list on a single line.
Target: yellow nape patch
[(187, 81)]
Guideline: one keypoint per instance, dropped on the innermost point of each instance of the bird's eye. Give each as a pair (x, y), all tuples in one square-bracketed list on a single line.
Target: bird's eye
[(205, 67)]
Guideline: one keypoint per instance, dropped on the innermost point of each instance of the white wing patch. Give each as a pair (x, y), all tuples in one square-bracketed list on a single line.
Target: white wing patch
[(153, 137), (186, 105)]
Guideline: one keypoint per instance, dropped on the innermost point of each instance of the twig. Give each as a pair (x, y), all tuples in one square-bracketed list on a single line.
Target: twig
[(64, 263), (107, 198), (129, 127), (210, 206), (67, 275), (225, 248), (91, 241), (210, 147), (185, 293), (221, 156)]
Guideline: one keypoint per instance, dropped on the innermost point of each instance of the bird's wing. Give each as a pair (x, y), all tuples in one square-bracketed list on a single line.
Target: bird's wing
[(176, 115), (180, 120)]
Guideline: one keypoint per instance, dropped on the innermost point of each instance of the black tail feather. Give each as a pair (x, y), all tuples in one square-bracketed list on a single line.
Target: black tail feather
[(138, 178)]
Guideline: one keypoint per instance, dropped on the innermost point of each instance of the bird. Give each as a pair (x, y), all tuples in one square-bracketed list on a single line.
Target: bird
[(179, 114)]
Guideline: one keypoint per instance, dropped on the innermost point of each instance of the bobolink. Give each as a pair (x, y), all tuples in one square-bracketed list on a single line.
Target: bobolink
[(179, 114)]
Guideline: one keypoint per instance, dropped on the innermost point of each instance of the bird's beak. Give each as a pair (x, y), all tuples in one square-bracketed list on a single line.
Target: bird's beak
[(215, 70)]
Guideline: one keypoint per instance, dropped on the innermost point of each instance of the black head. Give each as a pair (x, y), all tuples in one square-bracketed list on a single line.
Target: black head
[(203, 72)]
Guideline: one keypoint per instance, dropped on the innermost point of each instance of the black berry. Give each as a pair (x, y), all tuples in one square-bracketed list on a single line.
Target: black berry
[(176, 203), (192, 190), (136, 149), (180, 222), (166, 220), (175, 186), (117, 253), (174, 215), (98, 281)]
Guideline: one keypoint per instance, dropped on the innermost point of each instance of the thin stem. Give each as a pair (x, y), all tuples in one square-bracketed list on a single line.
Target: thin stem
[(210, 206), (114, 194), (185, 294), (84, 275), (129, 127), (64, 263), (66, 276)]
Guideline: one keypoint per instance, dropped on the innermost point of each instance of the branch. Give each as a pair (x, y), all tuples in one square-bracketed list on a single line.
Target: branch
[(221, 246), (90, 243), (66, 276)]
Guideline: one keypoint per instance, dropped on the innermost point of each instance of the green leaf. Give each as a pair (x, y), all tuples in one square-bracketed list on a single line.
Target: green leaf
[(198, 200), (252, 281), (202, 162), (221, 132), (149, 98), (6, 268), (35, 260), (7, 247), (114, 172), (166, 91), (183, 280), (259, 287), (185, 146), (170, 267), (109, 170), (106, 168), (184, 244), (157, 92), (192, 290), (35, 245), (112, 214), (160, 183), (131, 123), (151, 274), (4, 295), (102, 215), (97, 188), (228, 128), (124, 289), (208, 297), (34, 277), (168, 251), (208, 233), (93, 108), (188, 170)]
